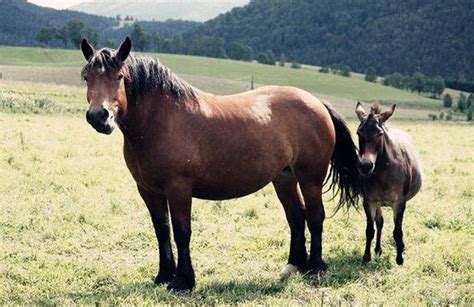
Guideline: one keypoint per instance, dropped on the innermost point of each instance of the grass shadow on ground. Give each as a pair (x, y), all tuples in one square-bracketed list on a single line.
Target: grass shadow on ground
[(346, 267)]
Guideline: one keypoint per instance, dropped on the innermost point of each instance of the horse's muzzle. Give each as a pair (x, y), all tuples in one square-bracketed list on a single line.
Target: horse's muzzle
[(101, 120)]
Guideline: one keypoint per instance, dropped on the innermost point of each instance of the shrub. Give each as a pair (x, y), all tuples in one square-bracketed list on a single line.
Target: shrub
[(370, 74), (447, 101), (16, 103), (324, 70), (469, 114), (295, 65)]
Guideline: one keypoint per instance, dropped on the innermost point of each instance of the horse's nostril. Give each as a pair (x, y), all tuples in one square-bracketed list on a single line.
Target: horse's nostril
[(104, 115)]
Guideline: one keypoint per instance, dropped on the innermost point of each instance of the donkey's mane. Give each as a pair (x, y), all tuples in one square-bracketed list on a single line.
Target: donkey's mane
[(144, 74)]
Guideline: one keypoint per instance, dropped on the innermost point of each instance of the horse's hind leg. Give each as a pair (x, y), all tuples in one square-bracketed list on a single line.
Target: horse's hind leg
[(379, 223), (158, 207), (369, 230), (286, 189), (312, 188), (398, 232)]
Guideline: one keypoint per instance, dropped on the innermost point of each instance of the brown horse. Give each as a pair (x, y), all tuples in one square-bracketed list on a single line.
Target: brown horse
[(180, 143), (391, 172)]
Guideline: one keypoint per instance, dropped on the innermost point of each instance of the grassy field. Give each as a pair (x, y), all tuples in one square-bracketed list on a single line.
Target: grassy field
[(75, 231), (59, 63)]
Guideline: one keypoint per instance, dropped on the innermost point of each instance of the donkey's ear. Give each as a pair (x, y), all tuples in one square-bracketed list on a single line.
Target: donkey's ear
[(87, 50), (385, 115), (124, 50), (360, 112)]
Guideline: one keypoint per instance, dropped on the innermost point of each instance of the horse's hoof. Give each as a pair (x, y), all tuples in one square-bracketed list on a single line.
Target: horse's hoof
[(399, 260), (181, 283), (366, 259), (288, 270), (317, 268), (163, 278)]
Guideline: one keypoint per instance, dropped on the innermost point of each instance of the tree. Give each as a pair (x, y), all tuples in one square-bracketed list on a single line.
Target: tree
[(282, 60), (177, 44), (395, 80), (371, 74), (63, 35), (447, 101), (45, 35), (271, 58), (92, 36), (324, 70), (470, 101), (241, 52), (419, 83), (139, 37), (462, 103), (262, 58), (209, 46), (435, 86), (74, 30), (345, 71)]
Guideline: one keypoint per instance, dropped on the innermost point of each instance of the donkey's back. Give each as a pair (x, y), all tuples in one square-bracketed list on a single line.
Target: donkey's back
[(405, 163)]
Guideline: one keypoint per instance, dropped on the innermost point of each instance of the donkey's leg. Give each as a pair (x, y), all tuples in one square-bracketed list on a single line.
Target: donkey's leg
[(397, 232), (369, 231), (379, 223), (158, 207), (286, 189), (312, 193), (179, 195)]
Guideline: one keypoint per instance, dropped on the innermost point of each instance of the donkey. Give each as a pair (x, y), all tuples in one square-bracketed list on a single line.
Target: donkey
[(391, 174)]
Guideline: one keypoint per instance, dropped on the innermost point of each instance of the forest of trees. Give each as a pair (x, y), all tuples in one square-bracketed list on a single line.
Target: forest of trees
[(376, 37)]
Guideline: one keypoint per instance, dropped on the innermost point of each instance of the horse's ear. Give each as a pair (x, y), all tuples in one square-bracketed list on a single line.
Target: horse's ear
[(385, 115), (87, 50), (124, 50), (360, 112)]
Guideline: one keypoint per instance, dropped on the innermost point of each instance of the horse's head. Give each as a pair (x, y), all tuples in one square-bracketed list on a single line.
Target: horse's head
[(371, 133), (104, 75)]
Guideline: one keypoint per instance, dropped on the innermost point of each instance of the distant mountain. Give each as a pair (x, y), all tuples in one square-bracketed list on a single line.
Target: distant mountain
[(431, 36), (159, 10), (20, 21)]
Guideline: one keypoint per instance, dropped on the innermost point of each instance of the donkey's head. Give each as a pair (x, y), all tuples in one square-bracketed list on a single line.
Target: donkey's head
[(104, 74), (371, 133)]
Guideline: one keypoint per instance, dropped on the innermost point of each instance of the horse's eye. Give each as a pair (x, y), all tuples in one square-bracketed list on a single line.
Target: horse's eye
[(85, 79), (119, 77)]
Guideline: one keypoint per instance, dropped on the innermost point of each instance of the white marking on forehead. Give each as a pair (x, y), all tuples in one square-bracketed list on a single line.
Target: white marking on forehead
[(261, 109), (101, 69)]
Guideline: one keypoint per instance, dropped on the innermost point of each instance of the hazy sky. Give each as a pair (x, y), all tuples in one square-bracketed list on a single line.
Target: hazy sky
[(58, 4)]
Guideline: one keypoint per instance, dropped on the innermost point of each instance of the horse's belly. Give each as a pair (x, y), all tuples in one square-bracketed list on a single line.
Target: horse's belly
[(222, 192)]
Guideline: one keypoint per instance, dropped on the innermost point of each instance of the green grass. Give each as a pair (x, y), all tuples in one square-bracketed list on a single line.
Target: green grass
[(74, 229), (313, 81)]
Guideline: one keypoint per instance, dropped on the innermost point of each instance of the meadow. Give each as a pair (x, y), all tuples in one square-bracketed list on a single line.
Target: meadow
[(75, 231)]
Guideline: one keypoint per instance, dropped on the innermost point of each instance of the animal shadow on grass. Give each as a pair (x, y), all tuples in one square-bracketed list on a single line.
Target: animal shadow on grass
[(344, 268), (226, 292)]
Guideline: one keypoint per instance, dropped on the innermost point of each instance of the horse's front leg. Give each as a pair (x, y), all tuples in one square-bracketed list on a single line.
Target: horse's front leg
[(179, 195), (158, 207), (397, 231)]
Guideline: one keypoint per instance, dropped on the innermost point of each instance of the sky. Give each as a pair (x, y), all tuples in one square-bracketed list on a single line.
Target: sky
[(58, 4)]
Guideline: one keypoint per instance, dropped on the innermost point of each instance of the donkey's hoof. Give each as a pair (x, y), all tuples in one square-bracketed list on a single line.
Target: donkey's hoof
[(400, 260), (378, 252), (181, 283), (163, 278), (288, 270)]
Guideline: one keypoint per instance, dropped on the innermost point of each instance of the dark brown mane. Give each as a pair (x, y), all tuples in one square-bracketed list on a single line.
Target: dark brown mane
[(144, 74)]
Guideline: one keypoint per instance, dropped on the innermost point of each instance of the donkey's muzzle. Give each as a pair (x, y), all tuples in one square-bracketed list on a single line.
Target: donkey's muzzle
[(366, 167), (100, 120)]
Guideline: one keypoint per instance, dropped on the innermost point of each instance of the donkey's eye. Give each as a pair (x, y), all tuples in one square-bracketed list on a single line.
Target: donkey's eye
[(85, 79)]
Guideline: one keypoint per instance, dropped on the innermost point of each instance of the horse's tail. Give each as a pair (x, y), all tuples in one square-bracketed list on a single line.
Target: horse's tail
[(344, 174)]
